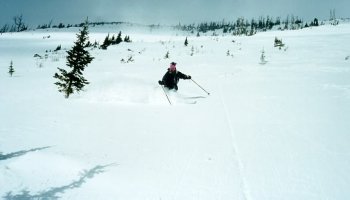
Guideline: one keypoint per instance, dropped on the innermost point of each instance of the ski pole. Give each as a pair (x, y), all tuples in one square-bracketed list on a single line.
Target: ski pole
[(200, 86), (166, 95)]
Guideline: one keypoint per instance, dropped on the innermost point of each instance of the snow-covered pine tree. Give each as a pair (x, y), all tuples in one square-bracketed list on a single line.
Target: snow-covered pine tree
[(262, 58), (78, 58), (11, 69)]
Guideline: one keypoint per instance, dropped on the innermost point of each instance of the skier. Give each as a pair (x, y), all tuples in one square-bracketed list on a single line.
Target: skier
[(172, 76)]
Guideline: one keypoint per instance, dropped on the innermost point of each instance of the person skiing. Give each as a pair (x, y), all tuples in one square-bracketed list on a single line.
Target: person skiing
[(172, 76)]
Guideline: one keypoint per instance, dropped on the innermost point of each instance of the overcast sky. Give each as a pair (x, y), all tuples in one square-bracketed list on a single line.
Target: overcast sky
[(37, 12)]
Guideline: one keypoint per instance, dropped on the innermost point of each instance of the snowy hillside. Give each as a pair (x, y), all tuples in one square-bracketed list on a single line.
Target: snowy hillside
[(266, 132)]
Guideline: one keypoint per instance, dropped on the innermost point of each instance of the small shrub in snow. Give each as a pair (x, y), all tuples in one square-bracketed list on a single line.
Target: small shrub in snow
[(192, 51), (59, 47), (228, 53), (278, 43), (167, 55), (332, 18), (130, 59), (55, 58), (37, 56), (40, 64)]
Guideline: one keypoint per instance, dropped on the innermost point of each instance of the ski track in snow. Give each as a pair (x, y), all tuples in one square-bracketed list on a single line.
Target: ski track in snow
[(237, 159), (181, 175)]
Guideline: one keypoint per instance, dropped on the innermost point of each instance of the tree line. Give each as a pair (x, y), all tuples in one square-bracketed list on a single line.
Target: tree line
[(244, 26), (241, 26), (79, 25), (17, 26)]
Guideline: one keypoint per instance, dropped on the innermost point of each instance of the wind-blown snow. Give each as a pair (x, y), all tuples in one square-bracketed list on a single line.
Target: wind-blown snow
[(273, 131)]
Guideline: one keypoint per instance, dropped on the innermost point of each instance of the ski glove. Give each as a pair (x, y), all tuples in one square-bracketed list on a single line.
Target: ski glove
[(160, 82)]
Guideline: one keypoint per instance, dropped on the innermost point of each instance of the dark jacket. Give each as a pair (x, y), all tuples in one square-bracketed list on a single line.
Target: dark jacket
[(170, 79)]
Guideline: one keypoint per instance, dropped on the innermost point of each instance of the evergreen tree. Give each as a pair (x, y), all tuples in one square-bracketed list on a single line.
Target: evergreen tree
[(286, 23), (78, 58), (262, 58), (186, 42), (127, 38), (59, 47), (61, 25), (119, 38), (225, 30), (278, 21), (11, 69), (105, 43)]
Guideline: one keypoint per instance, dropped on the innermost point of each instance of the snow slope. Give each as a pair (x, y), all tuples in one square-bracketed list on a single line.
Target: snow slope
[(266, 132)]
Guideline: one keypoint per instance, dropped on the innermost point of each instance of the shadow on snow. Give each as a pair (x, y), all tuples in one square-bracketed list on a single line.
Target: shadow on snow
[(54, 192), (20, 153)]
